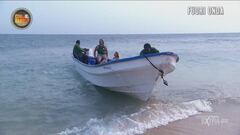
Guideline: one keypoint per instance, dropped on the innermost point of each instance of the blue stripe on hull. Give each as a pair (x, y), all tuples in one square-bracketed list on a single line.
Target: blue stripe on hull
[(133, 58)]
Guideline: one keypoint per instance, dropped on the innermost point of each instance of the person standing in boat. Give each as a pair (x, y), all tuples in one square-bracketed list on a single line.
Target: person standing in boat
[(102, 52), (77, 50), (148, 49)]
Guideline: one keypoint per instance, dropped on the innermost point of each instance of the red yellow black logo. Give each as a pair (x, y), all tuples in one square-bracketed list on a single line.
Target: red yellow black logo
[(21, 18)]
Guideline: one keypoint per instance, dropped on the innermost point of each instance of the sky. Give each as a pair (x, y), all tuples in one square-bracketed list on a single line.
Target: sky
[(120, 17)]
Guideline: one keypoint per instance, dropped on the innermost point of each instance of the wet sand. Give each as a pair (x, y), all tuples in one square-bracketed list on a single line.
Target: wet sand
[(224, 120)]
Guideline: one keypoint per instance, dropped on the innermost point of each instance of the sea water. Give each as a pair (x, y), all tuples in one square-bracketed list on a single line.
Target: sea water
[(41, 92)]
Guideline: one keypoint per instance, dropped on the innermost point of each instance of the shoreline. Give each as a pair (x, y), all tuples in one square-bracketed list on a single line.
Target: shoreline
[(223, 120)]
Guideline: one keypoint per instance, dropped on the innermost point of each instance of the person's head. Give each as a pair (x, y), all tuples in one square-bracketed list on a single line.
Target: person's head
[(101, 42), (147, 47), (116, 55), (78, 42)]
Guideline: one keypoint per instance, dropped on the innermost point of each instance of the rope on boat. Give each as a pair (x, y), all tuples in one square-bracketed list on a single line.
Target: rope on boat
[(159, 70)]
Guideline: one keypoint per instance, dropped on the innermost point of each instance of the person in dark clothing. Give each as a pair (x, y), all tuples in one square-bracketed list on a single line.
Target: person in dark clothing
[(85, 56), (148, 49), (80, 53), (77, 50)]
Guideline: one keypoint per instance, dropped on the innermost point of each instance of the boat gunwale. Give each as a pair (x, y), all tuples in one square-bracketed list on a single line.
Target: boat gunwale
[(129, 59)]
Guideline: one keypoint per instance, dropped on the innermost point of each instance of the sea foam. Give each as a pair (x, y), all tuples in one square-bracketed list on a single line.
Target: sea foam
[(150, 116)]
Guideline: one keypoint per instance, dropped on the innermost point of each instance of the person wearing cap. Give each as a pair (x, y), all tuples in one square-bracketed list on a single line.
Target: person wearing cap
[(148, 49), (77, 50), (101, 52)]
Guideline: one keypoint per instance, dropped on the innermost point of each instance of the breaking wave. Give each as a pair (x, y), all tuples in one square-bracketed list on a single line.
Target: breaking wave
[(150, 116)]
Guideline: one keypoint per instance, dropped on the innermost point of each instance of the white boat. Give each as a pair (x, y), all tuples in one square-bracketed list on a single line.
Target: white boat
[(134, 76)]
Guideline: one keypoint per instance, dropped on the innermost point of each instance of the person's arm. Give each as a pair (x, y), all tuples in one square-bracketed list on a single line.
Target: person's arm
[(95, 50), (78, 49), (156, 50)]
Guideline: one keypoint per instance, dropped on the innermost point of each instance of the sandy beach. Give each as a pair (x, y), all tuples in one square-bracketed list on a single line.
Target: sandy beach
[(223, 120)]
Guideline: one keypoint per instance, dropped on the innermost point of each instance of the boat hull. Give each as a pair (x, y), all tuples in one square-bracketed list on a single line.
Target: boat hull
[(132, 76)]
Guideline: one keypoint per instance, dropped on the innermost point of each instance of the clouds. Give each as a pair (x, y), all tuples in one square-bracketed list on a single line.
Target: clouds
[(120, 17)]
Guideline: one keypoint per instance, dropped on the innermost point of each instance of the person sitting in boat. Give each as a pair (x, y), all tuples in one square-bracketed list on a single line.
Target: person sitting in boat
[(77, 50), (85, 55), (116, 56), (148, 49), (102, 52)]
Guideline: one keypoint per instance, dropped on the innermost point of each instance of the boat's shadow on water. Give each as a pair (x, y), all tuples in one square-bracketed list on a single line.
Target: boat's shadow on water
[(115, 103), (111, 95)]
